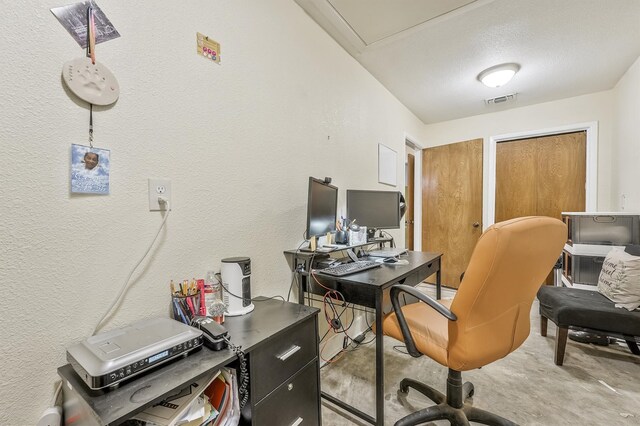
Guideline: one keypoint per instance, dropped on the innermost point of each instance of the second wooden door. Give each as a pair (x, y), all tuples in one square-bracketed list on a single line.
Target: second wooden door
[(452, 204), (541, 176)]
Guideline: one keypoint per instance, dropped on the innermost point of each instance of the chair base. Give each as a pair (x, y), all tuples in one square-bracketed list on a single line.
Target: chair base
[(453, 406)]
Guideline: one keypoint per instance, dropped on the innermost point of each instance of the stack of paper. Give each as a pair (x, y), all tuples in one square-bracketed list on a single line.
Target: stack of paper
[(212, 400)]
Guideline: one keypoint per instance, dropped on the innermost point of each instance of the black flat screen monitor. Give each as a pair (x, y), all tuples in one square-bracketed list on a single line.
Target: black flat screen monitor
[(322, 208), (374, 209)]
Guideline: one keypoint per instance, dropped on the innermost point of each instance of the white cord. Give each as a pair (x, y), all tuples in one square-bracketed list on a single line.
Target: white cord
[(161, 200), (56, 394)]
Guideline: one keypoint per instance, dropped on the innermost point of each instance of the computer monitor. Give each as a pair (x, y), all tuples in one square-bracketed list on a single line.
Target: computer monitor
[(322, 208), (374, 209)]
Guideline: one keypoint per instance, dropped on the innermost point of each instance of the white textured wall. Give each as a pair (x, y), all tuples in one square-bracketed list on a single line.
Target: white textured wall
[(237, 140), (581, 109), (626, 155)]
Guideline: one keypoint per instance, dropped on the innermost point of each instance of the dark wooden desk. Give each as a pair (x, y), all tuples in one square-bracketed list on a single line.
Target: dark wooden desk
[(367, 289), (265, 334)]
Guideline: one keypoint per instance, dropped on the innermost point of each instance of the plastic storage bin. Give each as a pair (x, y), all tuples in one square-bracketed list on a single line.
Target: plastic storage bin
[(616, 229), (583, 270)]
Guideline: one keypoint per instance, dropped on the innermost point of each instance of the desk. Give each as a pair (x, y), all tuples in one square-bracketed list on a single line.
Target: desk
[(367, 288), (270, 330)]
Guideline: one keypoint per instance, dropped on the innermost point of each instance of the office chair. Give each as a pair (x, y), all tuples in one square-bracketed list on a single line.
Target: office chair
[(486, 320)]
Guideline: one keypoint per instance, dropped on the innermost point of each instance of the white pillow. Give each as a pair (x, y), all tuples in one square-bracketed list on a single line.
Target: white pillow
[(619, 279)]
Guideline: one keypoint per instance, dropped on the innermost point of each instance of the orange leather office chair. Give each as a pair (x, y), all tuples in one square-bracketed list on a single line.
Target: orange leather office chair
[(486, 320)]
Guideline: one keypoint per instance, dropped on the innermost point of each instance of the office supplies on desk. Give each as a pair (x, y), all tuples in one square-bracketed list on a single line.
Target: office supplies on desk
[(106, 359), (185, 307), (349, 268), (203, 306)]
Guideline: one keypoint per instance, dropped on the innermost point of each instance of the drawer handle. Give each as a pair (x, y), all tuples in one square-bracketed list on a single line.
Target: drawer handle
[(288, 353), (604, 219), (297, 422)]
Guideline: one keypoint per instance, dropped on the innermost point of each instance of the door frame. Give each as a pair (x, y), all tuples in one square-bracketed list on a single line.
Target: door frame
[(417, 189), (489, 159)]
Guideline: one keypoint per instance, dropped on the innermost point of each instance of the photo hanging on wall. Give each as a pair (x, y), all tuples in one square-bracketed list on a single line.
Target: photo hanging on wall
[(89, 170)]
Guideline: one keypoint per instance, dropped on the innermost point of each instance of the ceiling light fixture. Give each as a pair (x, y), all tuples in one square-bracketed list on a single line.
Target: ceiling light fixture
[(499, 75)]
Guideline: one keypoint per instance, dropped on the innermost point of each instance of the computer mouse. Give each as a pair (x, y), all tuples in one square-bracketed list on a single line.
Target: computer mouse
[(390, 260)]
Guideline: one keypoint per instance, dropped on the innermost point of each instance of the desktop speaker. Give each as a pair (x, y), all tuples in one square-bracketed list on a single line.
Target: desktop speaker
[(236, 278)]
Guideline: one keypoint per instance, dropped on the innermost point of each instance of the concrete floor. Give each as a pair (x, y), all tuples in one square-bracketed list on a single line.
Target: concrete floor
[(597, 385)]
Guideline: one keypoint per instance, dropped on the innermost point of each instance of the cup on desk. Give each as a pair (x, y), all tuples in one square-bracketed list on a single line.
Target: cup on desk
[(341, 237), (184, 308), (359, 236)]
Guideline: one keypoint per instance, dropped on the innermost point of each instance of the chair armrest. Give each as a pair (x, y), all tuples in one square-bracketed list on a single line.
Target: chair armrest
[(404, 327)]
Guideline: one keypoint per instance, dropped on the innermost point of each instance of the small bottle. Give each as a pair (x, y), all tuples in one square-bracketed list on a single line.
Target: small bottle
[(213, 298), (217, 310)]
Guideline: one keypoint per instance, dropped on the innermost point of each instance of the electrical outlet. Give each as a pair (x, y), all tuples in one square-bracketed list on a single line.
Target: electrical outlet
[(159, 188)]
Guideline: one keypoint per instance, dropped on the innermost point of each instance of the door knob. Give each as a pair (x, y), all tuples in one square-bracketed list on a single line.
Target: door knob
[(476, 224)]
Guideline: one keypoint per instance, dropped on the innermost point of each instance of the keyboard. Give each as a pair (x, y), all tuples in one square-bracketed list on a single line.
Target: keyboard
[(350, 268)]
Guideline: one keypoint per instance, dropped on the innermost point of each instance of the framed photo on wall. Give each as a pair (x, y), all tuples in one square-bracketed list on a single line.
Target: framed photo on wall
[(387, 165), (90, 170)]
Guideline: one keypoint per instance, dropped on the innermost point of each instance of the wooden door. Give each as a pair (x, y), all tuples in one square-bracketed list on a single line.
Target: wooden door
[(541, 176), (452, 204), (408, 196)]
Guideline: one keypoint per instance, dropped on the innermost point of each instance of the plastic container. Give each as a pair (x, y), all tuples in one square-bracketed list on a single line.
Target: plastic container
[(582, 269), (214, 298), (608, 228)]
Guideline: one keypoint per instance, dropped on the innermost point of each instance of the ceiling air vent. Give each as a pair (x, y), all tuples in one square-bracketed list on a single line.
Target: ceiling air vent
[(501, 99)]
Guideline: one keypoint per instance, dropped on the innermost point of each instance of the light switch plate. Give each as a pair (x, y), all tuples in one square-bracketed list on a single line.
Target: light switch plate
[(159, 188)]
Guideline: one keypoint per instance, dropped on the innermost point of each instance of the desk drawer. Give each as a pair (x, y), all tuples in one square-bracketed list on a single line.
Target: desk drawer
[(282, 357), (427, 270), (421, 273), (294, 403)]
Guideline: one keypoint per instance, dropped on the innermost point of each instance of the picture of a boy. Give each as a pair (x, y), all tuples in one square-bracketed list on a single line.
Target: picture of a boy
[(89, 170)]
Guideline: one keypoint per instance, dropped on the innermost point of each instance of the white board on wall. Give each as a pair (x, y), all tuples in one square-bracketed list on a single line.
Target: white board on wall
[(387, 163)]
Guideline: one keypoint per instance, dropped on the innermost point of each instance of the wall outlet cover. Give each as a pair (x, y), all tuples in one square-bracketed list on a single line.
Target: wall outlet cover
[(159, 188)]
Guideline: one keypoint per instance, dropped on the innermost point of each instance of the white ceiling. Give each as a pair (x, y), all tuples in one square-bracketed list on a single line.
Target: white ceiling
[(428, 53)]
